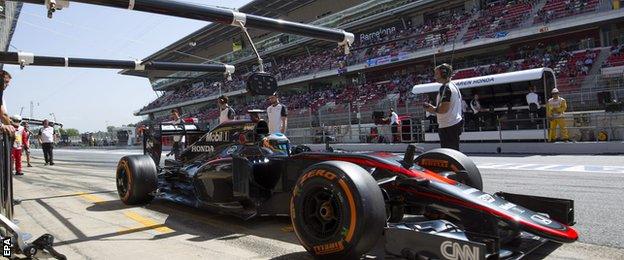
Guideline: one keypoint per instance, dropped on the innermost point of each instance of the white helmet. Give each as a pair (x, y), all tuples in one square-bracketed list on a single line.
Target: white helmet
[(16, 118), (278, 143)]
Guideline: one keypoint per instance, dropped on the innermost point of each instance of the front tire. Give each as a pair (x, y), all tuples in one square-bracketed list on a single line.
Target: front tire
[(136, 179), (449, 160), (337, 210)]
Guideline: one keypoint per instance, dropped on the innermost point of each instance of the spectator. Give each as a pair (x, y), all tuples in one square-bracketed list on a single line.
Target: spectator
[(278, 115), (46, 137), (555, 112), (226, 113)]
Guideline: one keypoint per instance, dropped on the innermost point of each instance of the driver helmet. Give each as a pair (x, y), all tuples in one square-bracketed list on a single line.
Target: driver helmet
[(277, 143)]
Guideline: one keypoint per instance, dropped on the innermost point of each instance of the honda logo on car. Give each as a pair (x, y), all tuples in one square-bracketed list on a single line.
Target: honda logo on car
[(202, 149), (454, 251)]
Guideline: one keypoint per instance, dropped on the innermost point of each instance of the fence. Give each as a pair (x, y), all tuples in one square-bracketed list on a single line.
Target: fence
[(591, 126)]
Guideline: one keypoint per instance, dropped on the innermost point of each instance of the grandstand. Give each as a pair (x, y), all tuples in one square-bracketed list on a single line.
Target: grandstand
[(397, 44)]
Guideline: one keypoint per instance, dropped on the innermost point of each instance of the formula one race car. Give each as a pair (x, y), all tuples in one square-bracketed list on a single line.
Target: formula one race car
[(429, 206)]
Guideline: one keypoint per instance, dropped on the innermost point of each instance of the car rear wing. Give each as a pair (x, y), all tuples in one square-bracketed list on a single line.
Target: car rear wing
[(170, 129)]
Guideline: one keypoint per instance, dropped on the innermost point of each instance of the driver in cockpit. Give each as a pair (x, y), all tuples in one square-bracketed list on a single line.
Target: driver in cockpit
[(277, 143)]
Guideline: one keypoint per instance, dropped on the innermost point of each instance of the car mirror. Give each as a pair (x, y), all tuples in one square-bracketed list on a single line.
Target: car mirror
[(261, 83)]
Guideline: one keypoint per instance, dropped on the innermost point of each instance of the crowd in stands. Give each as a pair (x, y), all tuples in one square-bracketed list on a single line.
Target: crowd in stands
[(498, 17), (556, 9), (438, 29), (616, 57)]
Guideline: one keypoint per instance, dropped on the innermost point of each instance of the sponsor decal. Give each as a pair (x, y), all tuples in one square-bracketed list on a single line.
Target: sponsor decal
[(465, 83), (7, 247), (249, 127), (323, 173), (329, 248), (231, 150), (202, 149), (507, 206), (455, 251), (518, 210), (434, 163), (541, 219), (223, 136), (470, 191), (487, 198)]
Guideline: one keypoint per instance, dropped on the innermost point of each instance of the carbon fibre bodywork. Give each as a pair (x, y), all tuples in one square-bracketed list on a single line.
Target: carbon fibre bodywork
[(229, 171)]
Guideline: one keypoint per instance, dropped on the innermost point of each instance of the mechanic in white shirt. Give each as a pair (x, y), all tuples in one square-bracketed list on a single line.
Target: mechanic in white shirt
[(46, 139), (394, 124), (277, 114), (226, 112), (178, 140), (448, 108), (532, 97), (533, 102)]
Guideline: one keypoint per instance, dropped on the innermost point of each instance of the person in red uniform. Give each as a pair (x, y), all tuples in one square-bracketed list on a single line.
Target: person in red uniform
[(18, 145)]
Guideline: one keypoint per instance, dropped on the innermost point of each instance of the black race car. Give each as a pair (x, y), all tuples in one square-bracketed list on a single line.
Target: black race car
[(429, 206)]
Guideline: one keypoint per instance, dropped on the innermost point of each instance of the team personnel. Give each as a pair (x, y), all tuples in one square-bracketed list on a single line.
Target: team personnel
[(278, 115), (178, 140), (18, 144), (448, 108), (555, 111), (26, 143), (46, 138), (6, 126), (394, 123), (533, 102), (226, 113)]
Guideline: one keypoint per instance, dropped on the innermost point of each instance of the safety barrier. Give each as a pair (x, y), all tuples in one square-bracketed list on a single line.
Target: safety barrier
[(598, 126)]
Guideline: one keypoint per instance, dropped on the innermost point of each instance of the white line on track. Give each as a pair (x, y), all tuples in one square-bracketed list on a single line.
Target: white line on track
[(553, 167)]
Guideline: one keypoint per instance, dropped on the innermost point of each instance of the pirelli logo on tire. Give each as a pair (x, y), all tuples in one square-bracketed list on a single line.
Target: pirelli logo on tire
[(320, 173), (329, 248), (434, 163)]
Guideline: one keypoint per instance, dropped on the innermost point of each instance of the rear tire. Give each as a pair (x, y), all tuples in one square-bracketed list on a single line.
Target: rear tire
[(337, 210), (136, 179), (443, 159)]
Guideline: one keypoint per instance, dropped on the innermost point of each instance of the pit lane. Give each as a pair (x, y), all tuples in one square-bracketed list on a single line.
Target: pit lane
[(76, 201)]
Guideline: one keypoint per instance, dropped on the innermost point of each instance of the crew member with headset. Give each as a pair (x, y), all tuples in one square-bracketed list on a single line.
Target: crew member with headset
[(448, 108), (277, 114), (226, 112)]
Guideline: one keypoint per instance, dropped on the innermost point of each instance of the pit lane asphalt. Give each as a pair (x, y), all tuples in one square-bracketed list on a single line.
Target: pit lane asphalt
[(76, 201)]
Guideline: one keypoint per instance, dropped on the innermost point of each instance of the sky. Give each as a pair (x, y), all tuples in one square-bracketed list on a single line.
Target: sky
[(90, 99)]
